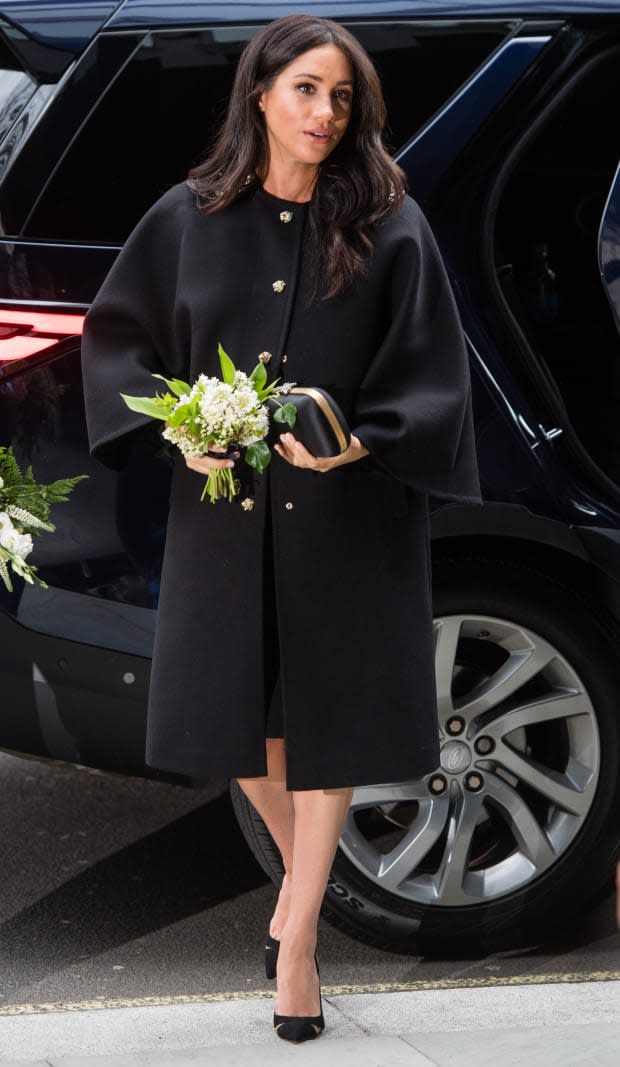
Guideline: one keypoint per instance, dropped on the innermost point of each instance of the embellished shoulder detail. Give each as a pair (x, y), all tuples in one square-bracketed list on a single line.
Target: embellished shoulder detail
[(395, 196), (205, 199)]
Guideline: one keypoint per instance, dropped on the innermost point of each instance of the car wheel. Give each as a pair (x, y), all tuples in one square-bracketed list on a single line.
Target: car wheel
[(516, 831)]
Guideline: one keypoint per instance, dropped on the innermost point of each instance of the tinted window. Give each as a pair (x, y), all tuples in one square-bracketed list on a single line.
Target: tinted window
[(546, 253), (158, 117), (16, 88)]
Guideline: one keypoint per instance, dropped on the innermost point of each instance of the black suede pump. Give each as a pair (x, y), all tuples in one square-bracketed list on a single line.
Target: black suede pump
[(298, 1028), (272, 947)]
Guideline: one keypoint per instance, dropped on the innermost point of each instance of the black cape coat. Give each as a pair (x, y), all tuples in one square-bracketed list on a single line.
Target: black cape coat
[(351, 546)]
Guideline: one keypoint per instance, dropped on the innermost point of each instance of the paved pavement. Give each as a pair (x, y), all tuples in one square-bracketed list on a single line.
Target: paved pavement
[(542, 1024), (120, 888), (105, 897)]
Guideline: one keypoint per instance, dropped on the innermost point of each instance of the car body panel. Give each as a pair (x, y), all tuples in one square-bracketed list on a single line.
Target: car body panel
[(70, 25), (146, 12)]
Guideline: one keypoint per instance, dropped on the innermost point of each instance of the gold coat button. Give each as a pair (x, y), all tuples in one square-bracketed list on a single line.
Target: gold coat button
[(279, 286), (286, 216), (284, 359), (288, 505), (264, 357)]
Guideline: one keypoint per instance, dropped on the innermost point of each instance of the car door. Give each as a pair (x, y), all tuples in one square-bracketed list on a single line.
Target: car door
[(609, 247)]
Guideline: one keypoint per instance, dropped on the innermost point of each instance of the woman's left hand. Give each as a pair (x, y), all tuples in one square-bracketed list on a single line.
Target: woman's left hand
[(297, 454)]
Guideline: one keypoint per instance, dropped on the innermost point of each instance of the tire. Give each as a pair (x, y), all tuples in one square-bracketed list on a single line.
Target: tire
[(517, 832)]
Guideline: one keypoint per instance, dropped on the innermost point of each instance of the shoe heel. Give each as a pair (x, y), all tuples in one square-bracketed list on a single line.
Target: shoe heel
[(272, 947)]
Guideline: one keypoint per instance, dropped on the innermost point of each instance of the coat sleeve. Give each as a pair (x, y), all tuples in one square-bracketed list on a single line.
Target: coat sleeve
[(413, 410), (128, 334)]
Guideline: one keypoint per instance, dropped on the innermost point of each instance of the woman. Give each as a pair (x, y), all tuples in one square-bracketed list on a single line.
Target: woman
[(294, 645)]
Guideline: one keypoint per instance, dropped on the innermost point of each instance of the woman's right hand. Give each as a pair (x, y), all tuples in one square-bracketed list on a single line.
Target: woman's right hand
[(204, 464)]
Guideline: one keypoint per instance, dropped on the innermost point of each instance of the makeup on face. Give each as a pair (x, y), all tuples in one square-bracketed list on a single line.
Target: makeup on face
[(307, 109)]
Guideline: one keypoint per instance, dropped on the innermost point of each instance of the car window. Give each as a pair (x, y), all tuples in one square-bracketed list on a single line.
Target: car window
[(158, 117), (546, 249), (16, 89)]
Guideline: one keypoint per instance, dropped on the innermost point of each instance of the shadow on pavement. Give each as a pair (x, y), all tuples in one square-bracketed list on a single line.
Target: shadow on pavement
[(184, 868)]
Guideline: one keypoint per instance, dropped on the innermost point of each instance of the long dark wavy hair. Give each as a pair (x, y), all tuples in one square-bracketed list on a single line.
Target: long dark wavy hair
[(357, 186)]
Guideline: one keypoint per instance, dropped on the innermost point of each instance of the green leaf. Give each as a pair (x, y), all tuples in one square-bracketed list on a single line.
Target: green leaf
[(146, 405), (258, 456), (175, 418), (287, 413), (185, 413), (175, 385), (265, 394), (258, 377), (227, 365)]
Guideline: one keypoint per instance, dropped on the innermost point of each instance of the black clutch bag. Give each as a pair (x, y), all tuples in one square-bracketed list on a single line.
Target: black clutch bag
[(320, 425)]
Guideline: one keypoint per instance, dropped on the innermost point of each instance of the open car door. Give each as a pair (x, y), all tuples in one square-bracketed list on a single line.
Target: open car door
[(609, 247)]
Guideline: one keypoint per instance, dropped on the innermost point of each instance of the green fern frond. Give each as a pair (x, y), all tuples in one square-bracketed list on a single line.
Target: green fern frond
[(9, 470), (58, 491), (21, 491), (29, 504), (29, 497)]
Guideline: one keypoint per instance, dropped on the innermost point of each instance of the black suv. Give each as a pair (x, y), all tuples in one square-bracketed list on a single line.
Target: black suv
[(505, 120)]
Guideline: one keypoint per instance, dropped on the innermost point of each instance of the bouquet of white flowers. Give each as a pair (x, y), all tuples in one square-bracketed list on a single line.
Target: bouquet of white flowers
[(24, 512), (230, 413)]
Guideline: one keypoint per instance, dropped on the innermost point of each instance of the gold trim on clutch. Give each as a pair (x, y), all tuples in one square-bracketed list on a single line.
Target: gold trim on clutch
[(328, 413)]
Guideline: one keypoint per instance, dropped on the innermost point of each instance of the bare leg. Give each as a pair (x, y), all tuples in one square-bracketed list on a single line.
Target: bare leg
[(275, 806), (305, 826), (319, 815)]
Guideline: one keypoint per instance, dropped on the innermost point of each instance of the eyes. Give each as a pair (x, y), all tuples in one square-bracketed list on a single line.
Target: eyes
[(343, 96)]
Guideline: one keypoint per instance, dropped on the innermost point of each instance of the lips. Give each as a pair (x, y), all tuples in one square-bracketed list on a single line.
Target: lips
[(318, 136)]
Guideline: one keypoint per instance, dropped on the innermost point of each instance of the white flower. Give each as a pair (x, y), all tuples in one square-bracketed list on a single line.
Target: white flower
[(189, 446), (19, 544), (6, 525), (218, 414)]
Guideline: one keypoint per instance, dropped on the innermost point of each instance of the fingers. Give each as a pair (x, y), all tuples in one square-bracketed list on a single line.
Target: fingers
[(297, 454), (292, 451), (204, 464)]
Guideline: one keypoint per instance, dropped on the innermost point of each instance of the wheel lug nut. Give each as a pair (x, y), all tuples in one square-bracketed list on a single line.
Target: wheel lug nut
[(474, 782), (484, 745), (455, 725), (437, 784)]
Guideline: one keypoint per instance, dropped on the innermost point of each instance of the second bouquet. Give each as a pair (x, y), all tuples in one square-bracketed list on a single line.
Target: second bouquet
[(228, 412)]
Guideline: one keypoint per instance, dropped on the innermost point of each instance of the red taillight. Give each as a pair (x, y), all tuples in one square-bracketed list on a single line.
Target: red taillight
[(26, 333)]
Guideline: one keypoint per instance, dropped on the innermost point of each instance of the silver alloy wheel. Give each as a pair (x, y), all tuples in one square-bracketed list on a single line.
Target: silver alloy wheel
[(519, 766)]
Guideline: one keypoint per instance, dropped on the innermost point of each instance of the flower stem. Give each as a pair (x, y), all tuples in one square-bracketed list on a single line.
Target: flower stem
[(220, 485)]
